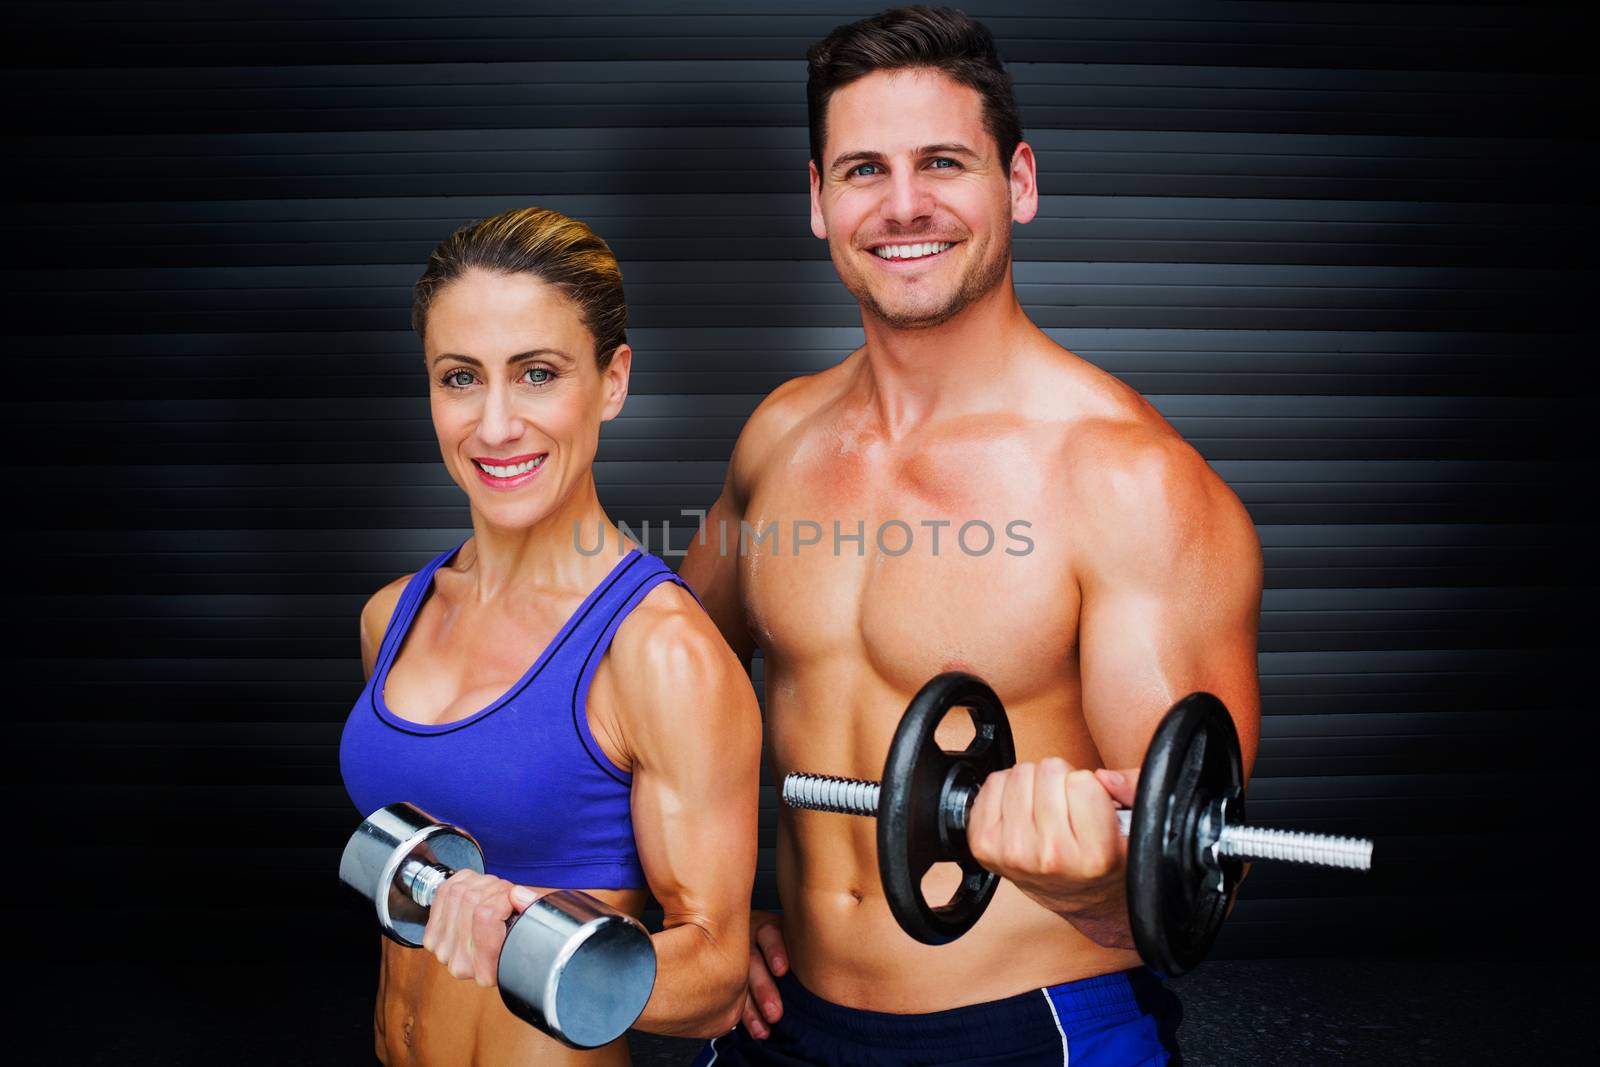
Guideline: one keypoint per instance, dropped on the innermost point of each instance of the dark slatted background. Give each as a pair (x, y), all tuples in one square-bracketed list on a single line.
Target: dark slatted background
[(1339, 245)]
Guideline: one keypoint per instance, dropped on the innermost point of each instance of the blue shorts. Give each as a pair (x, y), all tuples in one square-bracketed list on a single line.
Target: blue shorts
[(1113, 1020)]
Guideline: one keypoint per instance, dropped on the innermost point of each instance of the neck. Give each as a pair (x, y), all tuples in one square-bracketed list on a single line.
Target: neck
[(544, 555), (957, 367)]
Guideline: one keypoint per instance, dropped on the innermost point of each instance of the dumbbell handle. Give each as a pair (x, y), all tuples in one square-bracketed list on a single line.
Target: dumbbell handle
[(857, 796), (422, 880)]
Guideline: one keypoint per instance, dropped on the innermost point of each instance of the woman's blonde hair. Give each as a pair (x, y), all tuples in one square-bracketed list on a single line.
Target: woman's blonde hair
[(557, 250)]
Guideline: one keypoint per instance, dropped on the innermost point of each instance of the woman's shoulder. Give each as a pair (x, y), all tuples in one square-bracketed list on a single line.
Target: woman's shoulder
[(375, 615), (380, 605), (379, 608), (669, 644)]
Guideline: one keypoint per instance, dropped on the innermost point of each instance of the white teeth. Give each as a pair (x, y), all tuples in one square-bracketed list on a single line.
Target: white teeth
[(916, 251), (513, 470)]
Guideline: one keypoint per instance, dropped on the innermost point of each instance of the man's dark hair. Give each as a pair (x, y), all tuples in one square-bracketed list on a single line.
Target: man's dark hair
[(941, 39)]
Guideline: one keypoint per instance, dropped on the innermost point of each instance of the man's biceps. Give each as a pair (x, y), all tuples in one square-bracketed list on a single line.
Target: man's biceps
[(1115, 624)]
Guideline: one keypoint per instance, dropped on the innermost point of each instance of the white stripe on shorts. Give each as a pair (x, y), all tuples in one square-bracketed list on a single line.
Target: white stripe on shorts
[(1066, 1054)]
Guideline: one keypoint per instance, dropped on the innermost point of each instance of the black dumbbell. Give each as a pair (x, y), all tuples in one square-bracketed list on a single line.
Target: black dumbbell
[(574, 967), (1187, 838)]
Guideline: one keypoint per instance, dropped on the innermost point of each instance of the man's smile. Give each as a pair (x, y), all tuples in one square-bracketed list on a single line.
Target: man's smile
[(912, 252)]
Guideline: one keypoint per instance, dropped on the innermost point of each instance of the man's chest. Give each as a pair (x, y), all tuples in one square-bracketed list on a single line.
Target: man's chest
[(955, 559)]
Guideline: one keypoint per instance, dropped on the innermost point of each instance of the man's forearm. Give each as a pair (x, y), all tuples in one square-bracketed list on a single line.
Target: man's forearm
[(1106, 924)]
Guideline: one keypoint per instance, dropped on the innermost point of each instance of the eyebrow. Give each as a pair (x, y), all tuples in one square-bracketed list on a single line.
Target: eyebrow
[(520, 357), (949, 149)]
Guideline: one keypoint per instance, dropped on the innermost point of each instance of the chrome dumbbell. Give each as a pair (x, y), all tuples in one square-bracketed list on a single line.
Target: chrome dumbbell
[(574, 967)]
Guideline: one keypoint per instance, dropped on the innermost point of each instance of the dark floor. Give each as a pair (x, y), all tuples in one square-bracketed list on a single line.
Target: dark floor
[(1375, 1011)]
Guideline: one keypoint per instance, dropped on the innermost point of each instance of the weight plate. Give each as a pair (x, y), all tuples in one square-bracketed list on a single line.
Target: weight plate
[(1176, 899), (914, 831)]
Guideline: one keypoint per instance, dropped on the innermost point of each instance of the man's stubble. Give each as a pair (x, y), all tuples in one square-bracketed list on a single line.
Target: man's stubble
[(979, 279)]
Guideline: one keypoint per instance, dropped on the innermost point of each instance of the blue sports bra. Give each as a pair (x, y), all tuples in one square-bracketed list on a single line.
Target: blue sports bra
[(524, 775)]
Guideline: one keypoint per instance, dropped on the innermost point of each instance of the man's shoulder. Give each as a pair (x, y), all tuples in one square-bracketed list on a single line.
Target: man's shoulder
[(800, 398), (785, 411), (1118, 464), (1138, 489), (1123, 459), (1106, 436)]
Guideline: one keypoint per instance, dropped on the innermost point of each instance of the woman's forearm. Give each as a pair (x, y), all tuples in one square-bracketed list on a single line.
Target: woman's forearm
[(700, 979)]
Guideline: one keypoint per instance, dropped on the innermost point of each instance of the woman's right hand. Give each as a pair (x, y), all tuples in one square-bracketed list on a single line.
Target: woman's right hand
[(768, 959), (467, 923)]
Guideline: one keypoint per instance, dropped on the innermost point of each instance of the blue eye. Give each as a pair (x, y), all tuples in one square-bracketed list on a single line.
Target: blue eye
[(546, 376), (860, 169), (944, 164), (453, 378)]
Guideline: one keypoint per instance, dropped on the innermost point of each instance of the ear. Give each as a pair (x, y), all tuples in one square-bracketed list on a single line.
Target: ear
[(615, 382), (1024, 184), (818, 227)]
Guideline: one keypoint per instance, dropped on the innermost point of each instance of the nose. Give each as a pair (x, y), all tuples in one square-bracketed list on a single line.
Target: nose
[(500, 423), (907, 199)]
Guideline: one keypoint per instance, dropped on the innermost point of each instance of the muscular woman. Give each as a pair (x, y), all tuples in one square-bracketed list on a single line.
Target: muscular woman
[(546, 685)]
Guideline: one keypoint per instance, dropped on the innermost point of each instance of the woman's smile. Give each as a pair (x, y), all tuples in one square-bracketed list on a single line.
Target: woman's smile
[(509, 473)]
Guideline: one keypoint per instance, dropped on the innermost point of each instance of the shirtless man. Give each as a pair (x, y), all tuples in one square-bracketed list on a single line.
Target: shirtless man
[(1119, 573)]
